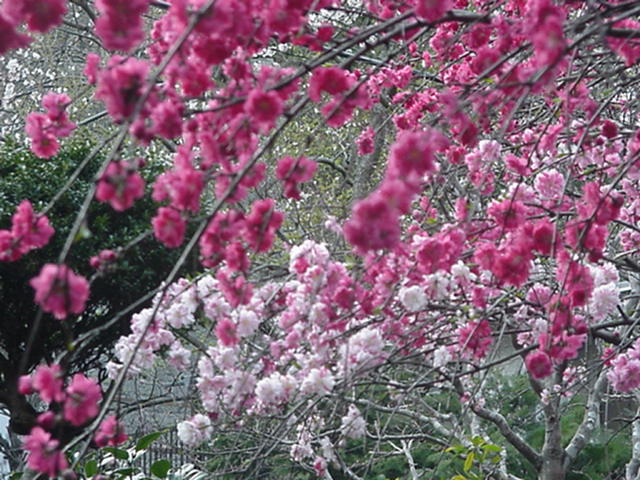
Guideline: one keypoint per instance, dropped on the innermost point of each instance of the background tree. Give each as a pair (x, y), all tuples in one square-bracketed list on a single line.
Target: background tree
[(114, 287)]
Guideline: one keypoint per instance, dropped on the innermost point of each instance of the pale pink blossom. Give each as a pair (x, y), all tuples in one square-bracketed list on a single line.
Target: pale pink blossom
[(353, 425)]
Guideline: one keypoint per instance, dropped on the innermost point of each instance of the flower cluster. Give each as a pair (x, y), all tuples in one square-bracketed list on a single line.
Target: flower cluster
[(28, 232), (44, 129), (624, 373), (294, 171), (78, 403), (60, 291), (120, 185), (120, 25), (40, 16)]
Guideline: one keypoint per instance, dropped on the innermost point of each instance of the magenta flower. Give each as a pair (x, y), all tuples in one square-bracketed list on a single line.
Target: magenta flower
[(120, 185), (60, 291), (81, 404), (48, 381), (110, 433), (169, 227), (44, 455), (539, 364)]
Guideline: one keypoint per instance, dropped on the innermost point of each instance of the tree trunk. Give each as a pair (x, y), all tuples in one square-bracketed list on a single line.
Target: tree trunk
[(552, 451)]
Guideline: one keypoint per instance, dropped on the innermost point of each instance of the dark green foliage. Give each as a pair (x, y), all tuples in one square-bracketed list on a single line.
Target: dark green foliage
[(139, 269)]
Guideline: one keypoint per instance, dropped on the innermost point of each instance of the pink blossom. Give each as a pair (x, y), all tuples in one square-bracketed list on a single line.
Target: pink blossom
[(30, 231), (56, 105), (25, 385), (625, 373), (10, 38), (236, 290), (373, 225), (365, 141), (628, 48), (604, 300), (120, 86), (332, 80), (544, 237), (43, 142), (119, 32), (261, 225), (44, 454), (508, 214), (81, 403), (319, 381), (120, 25), (413, 298), (103, 259), (48, 381), (539, 364), (169, 227), (91, 68), (263, 108), (45, 129), (48, 420), (433, 10), (167, 118), (413, 154), (550, 185), (352, 424), (475, 338), (577, 280), (512, 265), (226, 332), (60, 291), (41, 15), (9, 247), (110, 433), (588, 237), (195, 431), (120, 185), (604, 208), (544, 22), (222, 228), (293, 171)]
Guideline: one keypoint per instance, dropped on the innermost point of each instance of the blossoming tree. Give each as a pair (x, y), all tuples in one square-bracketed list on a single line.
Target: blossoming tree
[(501, 230)]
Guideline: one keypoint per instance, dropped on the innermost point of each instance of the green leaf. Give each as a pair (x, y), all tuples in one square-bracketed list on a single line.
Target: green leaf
[(477, 441), (455, 449), (16, 476), (118, 453), (123, 472), (459, 477), (147, 440), (83, 233), (161, 468), (91, 468), (492, 448), (468, 463)]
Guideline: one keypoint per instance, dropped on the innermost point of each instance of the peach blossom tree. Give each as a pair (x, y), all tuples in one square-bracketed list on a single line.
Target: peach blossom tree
[(483, 223)]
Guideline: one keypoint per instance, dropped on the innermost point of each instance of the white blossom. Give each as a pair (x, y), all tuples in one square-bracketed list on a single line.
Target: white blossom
[(179, 356), (353, 425), (318, 381), (604, 300), (195, 431), (441, 357), (413, 298)]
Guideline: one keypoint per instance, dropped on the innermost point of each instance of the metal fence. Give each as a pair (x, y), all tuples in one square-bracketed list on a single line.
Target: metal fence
[(167, 447)]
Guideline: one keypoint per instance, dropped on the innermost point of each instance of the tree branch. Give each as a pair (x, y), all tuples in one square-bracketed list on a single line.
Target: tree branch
[(512, 437), (589, 421)]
